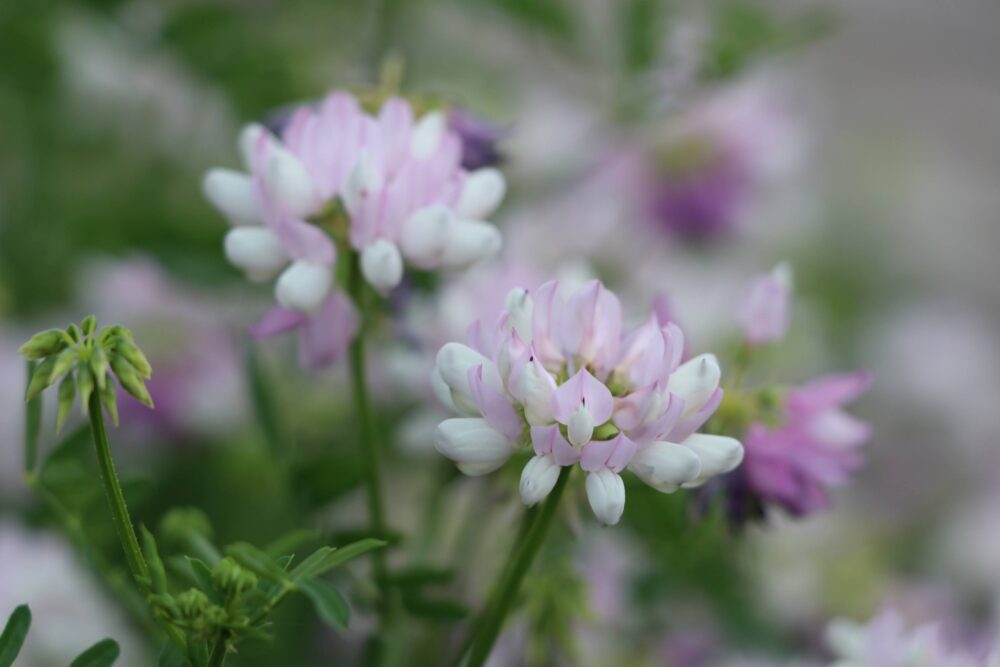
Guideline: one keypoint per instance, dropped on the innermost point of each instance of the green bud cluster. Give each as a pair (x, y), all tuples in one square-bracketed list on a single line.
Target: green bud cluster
[(232, 579), (83, 358)]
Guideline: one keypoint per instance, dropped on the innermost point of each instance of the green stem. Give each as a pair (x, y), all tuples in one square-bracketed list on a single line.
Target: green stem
[(116, 499), (366, 427), (488, 628), (219, 651)]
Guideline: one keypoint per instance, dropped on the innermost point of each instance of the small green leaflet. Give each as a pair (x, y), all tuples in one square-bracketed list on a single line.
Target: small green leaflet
[(14, 634)]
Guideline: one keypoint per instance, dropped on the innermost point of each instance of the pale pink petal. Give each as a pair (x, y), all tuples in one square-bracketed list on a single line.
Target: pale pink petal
[(494, 405), (278, 320), (324, 337), (688, 425), (828, 391)]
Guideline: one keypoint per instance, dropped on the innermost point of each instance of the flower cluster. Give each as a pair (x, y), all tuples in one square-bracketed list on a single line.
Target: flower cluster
[(557, 373), (388, 186)]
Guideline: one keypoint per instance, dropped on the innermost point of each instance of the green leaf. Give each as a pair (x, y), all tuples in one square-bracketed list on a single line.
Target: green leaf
[(102, 654), (290, 542), (329, 603), (14, 634), (327, 558), (170, 656), (254, 559), (203, 575), (157, 572), (32, 425)]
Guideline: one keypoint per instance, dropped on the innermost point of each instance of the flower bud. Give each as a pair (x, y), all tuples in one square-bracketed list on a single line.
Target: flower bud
[(481, 194), (255, 250), (470, 241), (695, 381), (232, 193), (64, 362), (534, 388), (134, 356), (130, 380), (88, 326), (427, 135), (43, 344), (382, 265), (538, 478), (473, 445), (85, 386), (606, 494), (99, 366), (108, 395), (192, 603), (303, 286), (425, 234)]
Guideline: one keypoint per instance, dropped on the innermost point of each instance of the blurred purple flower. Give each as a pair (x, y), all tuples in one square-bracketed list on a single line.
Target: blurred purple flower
[(323, 337), (765, 311), (479, 138), (816, 444)]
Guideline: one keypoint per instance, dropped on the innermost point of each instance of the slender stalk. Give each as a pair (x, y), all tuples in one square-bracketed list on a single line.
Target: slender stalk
[(366, 427), (487, 629), (218, 657), (116, 499)]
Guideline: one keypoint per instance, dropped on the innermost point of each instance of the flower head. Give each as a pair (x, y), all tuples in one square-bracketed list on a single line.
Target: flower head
[(557, 373), (814, 445), (389, 186)]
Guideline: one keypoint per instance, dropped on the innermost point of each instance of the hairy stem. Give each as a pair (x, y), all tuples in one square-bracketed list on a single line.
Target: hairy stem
[(116, 499), (487, 629)]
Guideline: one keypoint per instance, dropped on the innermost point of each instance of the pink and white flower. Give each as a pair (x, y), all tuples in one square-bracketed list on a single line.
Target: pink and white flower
[(557, 373), (397, 177)]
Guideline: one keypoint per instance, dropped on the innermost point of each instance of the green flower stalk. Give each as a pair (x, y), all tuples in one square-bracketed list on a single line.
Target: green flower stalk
[(81, 358)]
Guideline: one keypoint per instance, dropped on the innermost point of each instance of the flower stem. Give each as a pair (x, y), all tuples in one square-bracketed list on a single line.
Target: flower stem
[(116, 499), (366, 428), (488, 628), (219, 651)]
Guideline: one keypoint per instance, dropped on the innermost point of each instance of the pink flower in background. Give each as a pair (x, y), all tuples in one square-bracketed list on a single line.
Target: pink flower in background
[(712, 164), (885, 641), (556, 372), (814, 446), (765, 312), (397, 178)]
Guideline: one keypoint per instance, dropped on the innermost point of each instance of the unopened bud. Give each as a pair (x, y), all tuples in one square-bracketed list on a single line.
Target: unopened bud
[(134, 356), (41, 377), (131, 382), (108, 395), (192, 603), (43, 344), (88, 326), (99, 365), (67, 392), (233, 579)]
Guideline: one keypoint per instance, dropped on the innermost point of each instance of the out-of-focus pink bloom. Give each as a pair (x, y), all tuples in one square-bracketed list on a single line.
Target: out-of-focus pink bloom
[(885, 641), (323, 337), (398, 179), (713, 161), (197, 382), (70, 612), (556, 372), (765, 311), (816, 444)]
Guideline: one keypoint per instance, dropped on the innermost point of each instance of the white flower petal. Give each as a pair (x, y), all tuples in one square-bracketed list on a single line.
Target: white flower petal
[(580, 426), (453, 363), (303, 286), (427, 135), (718, 454), (232, 193), (695, 381), (476, 448), (425, 235), (481, 194), (255, 250), (538, 478), (665, 466), (382, 265), (290, 183), (606, 493), (470, 241)]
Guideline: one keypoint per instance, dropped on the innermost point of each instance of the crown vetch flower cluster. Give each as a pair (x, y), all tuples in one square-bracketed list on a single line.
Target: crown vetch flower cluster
[(557, 373), (391, 185)]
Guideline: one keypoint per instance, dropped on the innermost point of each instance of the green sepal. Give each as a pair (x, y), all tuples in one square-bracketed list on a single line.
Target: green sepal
[(109, 401), (67, 393), (85, 386)]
